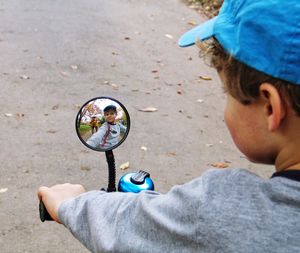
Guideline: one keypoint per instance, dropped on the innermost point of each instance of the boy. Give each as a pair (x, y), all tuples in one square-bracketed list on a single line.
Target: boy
[(255, 49), (109, 133)]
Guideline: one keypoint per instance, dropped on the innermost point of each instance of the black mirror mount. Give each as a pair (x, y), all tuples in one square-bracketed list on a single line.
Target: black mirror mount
[(102, 124)]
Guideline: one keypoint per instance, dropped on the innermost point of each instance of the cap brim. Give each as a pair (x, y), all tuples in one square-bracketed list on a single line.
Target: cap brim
[(201, 32)]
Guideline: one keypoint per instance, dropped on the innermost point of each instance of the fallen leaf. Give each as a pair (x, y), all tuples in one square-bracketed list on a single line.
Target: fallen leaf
[(64, 73), (55, 107), (148, 109), (220, 165), (192, 22), (24, 77), (85, 168), (124, 166), (20, 115), (206, 78), (86, 151), (51, 131), (2, 190), (169, 36), (115, 86), (144, 148)]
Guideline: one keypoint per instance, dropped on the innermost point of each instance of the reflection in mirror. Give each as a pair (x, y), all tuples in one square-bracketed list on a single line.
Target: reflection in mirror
[(102, 123)]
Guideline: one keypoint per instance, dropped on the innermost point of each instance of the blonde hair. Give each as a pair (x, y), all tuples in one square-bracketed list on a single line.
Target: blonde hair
[(241, 81)]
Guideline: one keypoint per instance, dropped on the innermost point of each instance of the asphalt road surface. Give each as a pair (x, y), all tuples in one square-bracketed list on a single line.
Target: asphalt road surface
[(55, 55)]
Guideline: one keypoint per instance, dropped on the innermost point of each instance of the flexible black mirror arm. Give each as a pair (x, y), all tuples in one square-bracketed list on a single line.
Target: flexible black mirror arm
[(111, 171)]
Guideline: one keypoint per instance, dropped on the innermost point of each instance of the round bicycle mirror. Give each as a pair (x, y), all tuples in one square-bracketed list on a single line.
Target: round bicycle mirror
[(102, 123)]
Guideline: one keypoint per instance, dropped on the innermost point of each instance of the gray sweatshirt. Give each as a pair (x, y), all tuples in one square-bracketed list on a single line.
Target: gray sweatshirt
[(107, 136), (221, 211)]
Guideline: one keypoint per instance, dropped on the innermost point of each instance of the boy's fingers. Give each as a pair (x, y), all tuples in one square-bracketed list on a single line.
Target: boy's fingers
[(41, 191)]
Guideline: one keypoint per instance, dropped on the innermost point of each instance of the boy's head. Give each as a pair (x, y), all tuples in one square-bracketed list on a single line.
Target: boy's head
[(262, 34), (255, 47), (110, 113)]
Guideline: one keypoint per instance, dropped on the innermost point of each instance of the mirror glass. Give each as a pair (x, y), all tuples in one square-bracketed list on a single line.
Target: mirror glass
[(102, 123)]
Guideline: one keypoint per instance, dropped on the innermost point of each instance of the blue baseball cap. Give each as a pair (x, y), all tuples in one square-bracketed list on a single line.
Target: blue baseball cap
[(263, 34)]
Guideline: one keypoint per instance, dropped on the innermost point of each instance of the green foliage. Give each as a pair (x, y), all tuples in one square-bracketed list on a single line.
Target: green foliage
[(84, 128), (124, 120)]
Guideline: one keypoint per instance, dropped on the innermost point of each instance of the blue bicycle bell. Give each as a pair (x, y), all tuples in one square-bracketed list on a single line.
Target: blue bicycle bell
[(135, 182)]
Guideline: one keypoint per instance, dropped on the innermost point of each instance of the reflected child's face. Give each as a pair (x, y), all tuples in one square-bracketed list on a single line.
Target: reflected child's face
[(110, 116)]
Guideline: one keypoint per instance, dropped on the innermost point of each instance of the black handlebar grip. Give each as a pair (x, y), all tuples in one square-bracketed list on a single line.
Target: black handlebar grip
[(44, 215)]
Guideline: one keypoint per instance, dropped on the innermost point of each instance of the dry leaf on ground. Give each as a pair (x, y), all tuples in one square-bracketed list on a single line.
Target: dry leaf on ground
[(144, 148), (124, 166), (24, 77), (2, 190), (169, 36), (55, 107), (115, 86), (220, 165), (51, 131), (64, 73), (206, 78), (20, 115), (85, 168), (148, 109), (192, 22)]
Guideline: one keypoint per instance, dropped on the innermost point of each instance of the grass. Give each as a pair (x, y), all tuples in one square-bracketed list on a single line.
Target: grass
[(84, 128)]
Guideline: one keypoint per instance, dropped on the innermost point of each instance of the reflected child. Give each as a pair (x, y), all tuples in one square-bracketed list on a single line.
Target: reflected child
[(109, 133)]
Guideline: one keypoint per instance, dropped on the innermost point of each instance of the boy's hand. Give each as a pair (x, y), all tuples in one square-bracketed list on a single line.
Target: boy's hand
[(52, 197)]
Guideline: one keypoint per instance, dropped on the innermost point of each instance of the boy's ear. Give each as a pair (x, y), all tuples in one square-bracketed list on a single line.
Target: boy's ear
[(274, 105)]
